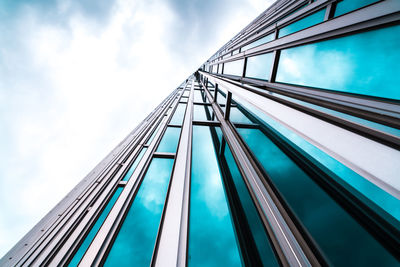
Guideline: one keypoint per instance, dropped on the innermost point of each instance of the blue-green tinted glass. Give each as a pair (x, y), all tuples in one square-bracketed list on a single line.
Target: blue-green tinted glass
[(257, 230), (169, 141), (234, 67), (135, 241), (343, 175), (221, 99), (346, 6), (186, 93), (85, 244), (212, 240), (197, 96), (263, 40), (177, 118), (134, 165), (237, 116), (303, 23), (341, 238), (259, 66), (364, 63), (154, 134), (202, 113)]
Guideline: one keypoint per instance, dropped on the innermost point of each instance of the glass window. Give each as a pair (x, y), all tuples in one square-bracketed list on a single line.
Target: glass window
[(334, 230), (177, 118), (92, 233), (234, 67), (260, 41), (237, 116), (212, 240), (135, 241), (346, 6), (197, 96), (303, 23), (134, 165), (153, 134), (365, 63), (259, 66), (169, 141), (202, 112), (383, 203), (264, 252)]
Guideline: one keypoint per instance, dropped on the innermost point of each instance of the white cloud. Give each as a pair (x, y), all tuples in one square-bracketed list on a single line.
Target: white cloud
[(69, 92)]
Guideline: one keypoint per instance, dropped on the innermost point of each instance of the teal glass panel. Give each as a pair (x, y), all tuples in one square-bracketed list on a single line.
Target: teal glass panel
[(221, 99), (256, 226), (364, 63), (212, 240), (197, 96), (199, 113), (153, 134), (134, 165), (346, 6), (234, 67), (388, 207), (177, 118), (169, 141), (343, 241), (303, 23), (92, 233), (135, 241), (186, 93), (261, 41), (237, 116), (259, 67)]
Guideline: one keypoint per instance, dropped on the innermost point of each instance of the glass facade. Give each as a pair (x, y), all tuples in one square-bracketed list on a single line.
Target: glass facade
[(350, 64), (294, 164)]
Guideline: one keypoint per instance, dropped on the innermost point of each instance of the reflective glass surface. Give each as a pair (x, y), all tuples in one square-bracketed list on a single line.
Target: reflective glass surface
[(237, 116), (135, 241), (197, 96), (263, 40), (364, 63), (234, 67), (212, 240), (153, 134), (388, 207), (303, 23), (177, 118), (199, 112), (259, 236), (92, 233), (169, 141), (134, 165), (346, 6), (343, 241), (259, 67)]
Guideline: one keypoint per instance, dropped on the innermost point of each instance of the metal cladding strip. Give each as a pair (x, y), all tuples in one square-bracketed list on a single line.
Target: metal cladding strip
[(372, 133), (41, 254), (96, 251), (372, 160), (380, 13), (172, 241), (293, 255)]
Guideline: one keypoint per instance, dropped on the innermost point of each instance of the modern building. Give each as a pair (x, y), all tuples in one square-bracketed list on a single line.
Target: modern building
[(282, 149)]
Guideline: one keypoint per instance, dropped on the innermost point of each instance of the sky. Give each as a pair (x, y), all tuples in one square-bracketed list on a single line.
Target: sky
[(76, 76)]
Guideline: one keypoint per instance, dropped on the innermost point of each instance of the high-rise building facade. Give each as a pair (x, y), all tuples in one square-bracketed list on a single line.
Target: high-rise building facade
[(282, 149)]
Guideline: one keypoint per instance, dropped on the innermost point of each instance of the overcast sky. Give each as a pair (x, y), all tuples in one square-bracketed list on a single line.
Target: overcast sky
[(76, 76)]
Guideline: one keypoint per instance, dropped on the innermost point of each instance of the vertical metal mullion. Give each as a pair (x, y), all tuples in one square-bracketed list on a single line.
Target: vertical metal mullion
[(228, 106), (287, 246), (96, 252), (275, 62)]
